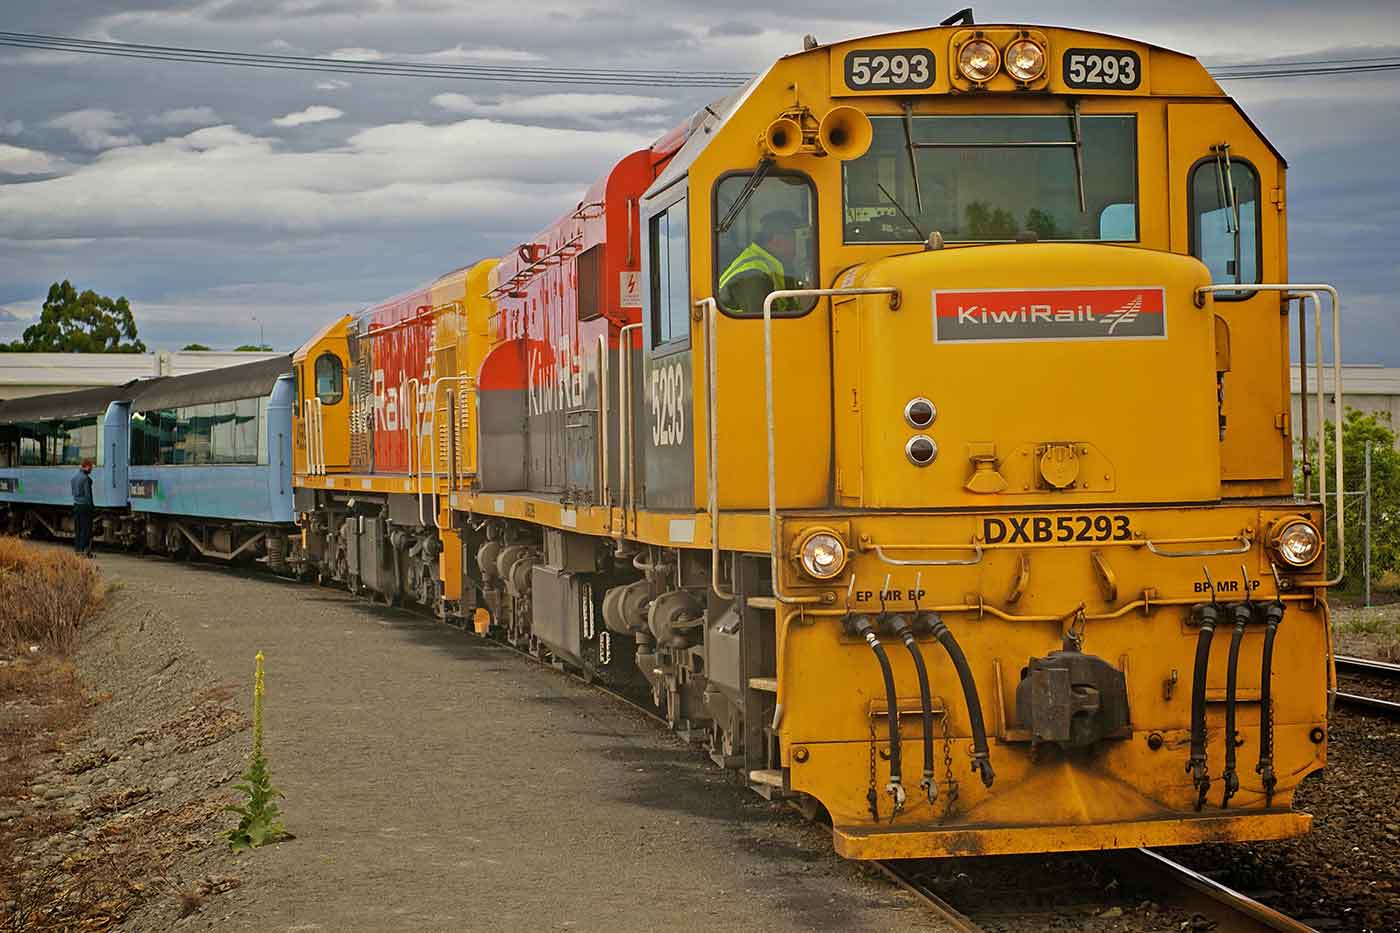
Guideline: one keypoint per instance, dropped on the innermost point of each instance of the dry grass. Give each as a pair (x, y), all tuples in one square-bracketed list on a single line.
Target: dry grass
[(47, 595)]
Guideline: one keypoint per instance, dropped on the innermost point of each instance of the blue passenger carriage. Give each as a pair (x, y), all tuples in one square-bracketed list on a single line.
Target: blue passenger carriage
[(210, 459), (43, 441)]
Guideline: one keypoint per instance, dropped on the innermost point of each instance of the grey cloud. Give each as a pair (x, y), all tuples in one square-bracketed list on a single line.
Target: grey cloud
[(735, 28), (94, 128), (186, 116), (360, 215)]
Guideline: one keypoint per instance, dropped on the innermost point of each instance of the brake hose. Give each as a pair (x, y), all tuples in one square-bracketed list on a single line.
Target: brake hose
[(1196, 764), (901, 628), (981, 757), (1243, 613)]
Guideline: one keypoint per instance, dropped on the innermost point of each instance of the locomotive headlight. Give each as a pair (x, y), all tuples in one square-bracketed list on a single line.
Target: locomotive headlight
[(1297, 542), (822, 555), (1025, 60), (978, 60)]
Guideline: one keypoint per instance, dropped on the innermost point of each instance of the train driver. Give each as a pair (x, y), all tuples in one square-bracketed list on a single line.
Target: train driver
[(760, 268)]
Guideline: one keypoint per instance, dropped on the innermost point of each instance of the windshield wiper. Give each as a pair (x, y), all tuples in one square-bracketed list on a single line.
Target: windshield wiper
[(897, 206), (750, 187), (1078, 136), (913, 156)]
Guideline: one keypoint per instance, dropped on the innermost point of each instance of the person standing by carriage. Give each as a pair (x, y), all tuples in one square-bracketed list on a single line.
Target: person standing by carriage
[(82, 509)]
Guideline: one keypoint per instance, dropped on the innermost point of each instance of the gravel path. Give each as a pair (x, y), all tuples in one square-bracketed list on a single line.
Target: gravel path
[(435, 781)]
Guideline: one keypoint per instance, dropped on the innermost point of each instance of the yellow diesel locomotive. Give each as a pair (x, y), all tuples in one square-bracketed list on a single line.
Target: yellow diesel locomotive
[(913, 424)]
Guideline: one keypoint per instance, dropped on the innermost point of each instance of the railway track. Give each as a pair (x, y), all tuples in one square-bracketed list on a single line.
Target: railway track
[(1170, 883), (1373, 676)]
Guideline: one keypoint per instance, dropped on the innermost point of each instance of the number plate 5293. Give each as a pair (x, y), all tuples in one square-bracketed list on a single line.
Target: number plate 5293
[(1106, 69), (889, 69), (1058, 529)]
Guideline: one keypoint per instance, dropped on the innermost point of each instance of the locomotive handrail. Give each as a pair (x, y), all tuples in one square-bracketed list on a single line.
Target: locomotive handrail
[(1311, 290), (1245, 543), (315, 442), (432, 447), (768, 399), (712, 448), (412, 444), (626, 487), (977, 544), (605, 492), (980, 608)]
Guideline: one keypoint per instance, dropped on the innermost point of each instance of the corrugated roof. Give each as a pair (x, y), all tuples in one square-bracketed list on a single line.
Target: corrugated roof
[(82, 403), (250, 380)]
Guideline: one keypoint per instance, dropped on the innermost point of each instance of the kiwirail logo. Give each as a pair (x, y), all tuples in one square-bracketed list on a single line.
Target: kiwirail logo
[(1010, 314)]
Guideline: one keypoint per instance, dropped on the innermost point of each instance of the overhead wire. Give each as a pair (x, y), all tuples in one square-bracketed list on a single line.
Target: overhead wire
[(578, 76), (536, 74)]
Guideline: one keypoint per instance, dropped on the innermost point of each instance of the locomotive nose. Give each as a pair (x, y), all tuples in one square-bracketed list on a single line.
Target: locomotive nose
[(1045, 387)]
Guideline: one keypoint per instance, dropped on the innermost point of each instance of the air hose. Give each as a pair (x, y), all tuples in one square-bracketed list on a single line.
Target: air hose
[(901, 628), (1196, 764), (1273, 616), (981, 757), (895, 788), (1243, 613)]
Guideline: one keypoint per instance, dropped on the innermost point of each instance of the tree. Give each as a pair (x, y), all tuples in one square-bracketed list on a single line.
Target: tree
[(193, 346), (80, 323), (1358, 428), (254, 348)]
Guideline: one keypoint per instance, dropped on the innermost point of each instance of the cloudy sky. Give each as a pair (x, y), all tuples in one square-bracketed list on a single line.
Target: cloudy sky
[(221, 199)]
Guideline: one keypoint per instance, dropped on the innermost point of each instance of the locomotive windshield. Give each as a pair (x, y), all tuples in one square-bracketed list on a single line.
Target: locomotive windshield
[(993, 178)]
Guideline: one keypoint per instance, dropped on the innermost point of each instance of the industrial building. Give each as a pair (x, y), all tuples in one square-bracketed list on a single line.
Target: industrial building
[(24, 374)]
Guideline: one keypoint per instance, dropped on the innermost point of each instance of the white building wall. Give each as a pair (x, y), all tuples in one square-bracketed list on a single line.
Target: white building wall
[(23, 374), (1365, 388)]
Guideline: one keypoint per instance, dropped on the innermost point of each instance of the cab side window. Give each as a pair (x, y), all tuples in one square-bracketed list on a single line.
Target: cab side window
[(329, 379), (670, 275), (766, 240), (1224, 212)]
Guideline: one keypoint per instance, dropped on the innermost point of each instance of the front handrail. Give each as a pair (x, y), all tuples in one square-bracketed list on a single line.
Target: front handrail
[(1245, 543), (712, 448), (1240, 544), (768, 400), (975, 547), (1311, 289)]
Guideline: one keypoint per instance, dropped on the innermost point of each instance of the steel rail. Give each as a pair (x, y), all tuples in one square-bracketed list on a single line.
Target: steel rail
[(1368, 666), (895, 871), (1232, 910), (1369, 704)]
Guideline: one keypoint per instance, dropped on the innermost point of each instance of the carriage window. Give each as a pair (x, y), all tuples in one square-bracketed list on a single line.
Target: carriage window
[(329, 378), (766, 241), (670, 275), (589, 268), (1224, 212), (991, 178)]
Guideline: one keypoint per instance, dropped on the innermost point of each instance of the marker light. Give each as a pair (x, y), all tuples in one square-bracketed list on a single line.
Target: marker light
[(1025, 60), (920, 413), (1298, 543), (921, 450), (978, 61), (823, 555)]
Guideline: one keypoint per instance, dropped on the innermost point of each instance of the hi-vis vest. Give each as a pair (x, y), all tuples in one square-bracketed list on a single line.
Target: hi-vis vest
[(755, 258)]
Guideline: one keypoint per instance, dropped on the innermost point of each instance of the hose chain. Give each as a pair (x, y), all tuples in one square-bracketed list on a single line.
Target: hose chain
[(871, 795), (951, 783)]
